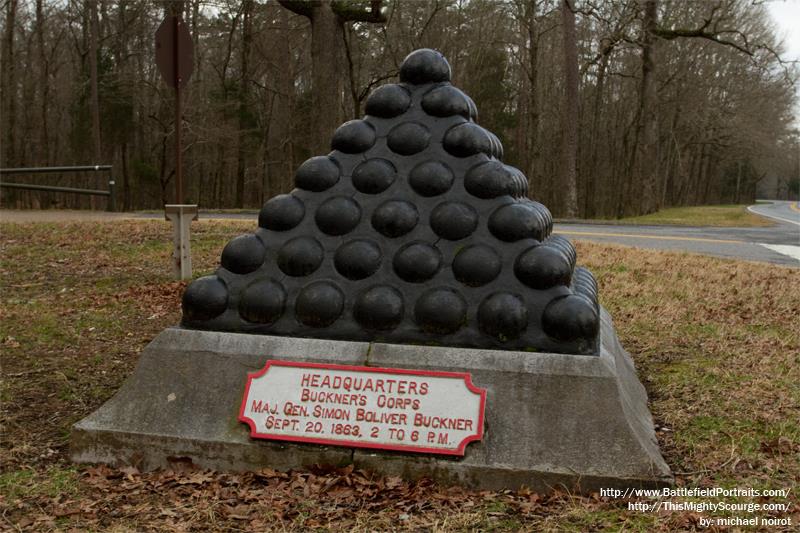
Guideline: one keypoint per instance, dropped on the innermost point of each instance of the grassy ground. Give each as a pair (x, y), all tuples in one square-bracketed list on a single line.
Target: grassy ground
[(716, 343), (702, 215)]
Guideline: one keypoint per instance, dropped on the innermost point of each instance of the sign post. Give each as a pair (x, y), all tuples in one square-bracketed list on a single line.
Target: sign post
[(174, 58)]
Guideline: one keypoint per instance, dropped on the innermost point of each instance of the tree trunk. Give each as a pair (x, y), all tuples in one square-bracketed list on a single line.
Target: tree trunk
[(9, 88), (327, 59), (247, 37), (532, 151), (646, 162), (591, 202), (327, 37), (196, 40), (94, 98), (569, 113), (355, 102), (44, 81), (738, 182)]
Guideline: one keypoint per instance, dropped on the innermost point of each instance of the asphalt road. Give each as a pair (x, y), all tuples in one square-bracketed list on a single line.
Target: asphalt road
[(779, 244)]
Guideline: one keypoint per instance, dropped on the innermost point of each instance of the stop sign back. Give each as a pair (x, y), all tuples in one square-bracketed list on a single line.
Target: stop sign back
[(174, 51)]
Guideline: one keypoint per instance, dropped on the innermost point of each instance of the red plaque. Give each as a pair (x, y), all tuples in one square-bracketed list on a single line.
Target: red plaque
[(364, 407)]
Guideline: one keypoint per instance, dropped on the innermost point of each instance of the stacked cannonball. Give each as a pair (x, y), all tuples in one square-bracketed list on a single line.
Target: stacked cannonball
[(411, 231)]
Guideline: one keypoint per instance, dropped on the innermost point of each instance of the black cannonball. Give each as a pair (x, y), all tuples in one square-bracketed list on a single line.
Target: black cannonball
[(563, 244), (319, 304), (353, 137), (300, 256), (338, 215), (473, 109), (424, 66), (431, 178), (502, 316), (408, 138), (243, 254), (445, 101), (583, 283), (570, 318), (357, 259), (497, 146), (388, 101), (395, 218), (476, 265), (379, 308), (262, 302), (417, 261), (489, 180), (281, 213), (584, 277), (467, 139), (516, 221), (519, 181), (374, 176), (542, 267), (454, 220), (586, 292), (544, 215), (317, 174), (440, 311), (205, 298)]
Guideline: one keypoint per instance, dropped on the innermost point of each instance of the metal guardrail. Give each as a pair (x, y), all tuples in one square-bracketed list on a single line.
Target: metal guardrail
[(112, 204)]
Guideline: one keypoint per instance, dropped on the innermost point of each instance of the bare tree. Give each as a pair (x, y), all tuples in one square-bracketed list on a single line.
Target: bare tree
[(9, 79), (644, 180), (569, 112), (244, 90), (708, 75), (327, 19)]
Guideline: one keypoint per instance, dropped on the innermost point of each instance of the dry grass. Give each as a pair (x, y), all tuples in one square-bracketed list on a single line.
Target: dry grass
[(716, 343), (702, 215)]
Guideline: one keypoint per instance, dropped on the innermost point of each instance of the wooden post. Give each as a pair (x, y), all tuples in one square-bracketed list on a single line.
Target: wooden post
[(181, 216)]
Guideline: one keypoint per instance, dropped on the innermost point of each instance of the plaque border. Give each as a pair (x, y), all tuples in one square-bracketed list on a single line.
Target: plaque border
[(460, 450)]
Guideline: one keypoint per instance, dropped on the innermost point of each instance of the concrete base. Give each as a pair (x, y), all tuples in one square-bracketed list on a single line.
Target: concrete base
[(551, 419)]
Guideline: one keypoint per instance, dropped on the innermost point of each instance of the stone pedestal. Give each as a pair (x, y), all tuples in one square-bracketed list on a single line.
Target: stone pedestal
[(576, 421)]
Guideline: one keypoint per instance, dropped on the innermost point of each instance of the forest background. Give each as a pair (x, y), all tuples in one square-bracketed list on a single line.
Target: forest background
[(611, 108)]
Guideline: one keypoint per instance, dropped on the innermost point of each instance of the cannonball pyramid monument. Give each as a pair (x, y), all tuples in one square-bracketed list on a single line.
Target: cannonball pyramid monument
[(409, 254), (412, 230)]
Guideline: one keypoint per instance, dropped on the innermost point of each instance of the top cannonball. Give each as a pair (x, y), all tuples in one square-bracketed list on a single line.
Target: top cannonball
[(424, 66)]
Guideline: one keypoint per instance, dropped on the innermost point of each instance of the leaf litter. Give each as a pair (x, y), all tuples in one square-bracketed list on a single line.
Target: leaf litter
[(708, 337)]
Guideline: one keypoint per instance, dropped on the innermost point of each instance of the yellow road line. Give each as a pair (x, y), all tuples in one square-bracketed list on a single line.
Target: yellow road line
[(795, 206), (655, 237)]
